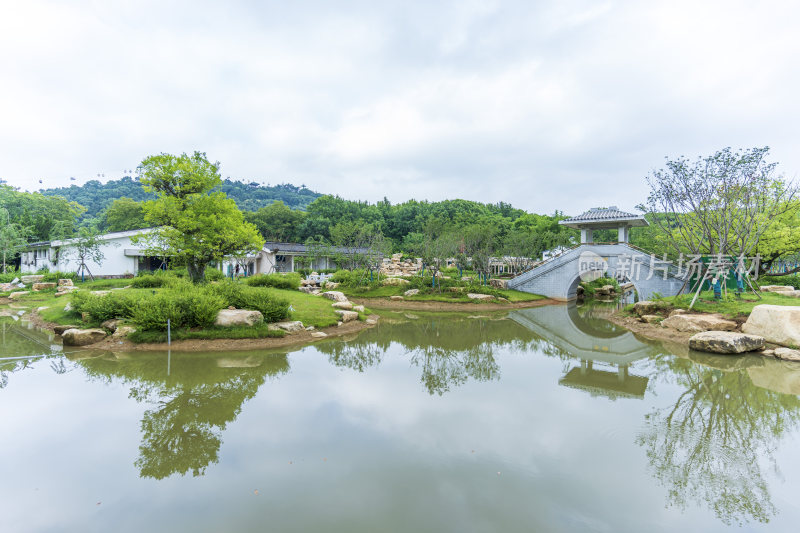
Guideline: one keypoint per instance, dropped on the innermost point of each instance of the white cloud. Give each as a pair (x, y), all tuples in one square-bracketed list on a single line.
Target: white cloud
[(545, 105)]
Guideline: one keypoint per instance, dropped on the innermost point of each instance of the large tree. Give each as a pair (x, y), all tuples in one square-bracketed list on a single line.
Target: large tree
[(197, 226), (720, 204)]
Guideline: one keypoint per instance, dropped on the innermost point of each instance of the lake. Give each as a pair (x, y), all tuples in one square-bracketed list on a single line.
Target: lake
[(543, 419)]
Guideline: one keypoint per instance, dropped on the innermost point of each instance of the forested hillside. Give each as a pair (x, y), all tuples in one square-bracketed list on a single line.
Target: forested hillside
[(96, 196)]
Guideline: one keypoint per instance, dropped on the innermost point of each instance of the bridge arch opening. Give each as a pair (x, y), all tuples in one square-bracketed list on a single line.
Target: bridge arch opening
[(572, 289)]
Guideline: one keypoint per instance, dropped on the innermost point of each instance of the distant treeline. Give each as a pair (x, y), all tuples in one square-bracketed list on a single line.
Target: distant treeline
[(296, 214), (96, 196)]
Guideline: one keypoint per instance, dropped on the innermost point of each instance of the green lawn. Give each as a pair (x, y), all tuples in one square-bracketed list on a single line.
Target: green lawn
[(444, 296), (310, 310), (730, 307)]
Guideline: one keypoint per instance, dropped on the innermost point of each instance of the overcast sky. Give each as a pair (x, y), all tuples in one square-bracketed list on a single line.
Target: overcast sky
[(545, 105)]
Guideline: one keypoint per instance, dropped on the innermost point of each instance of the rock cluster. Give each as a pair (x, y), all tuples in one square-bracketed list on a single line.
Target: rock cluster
[(396, 266), (82, 337)]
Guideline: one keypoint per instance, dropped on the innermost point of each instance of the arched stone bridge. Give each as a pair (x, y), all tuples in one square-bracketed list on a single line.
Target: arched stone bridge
[(559, 277)]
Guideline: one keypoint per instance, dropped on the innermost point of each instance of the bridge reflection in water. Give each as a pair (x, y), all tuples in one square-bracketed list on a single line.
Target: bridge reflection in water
[(585, 334)]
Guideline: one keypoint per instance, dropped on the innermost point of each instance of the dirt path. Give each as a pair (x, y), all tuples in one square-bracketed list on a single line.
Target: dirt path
[(412, 305)]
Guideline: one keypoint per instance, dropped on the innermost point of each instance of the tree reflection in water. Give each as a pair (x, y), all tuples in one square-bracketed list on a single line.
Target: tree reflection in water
[(710, 445), (191, 406), (449, 349)]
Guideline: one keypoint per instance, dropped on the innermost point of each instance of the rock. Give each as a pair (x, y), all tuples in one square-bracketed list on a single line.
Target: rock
[(347, 316), (727, 342), (411, 316), (15, 295), (331, 285), (319, 334), (678, 312), (32, 279), (650, 319), (111, 325), (396, 258), (372, 319), (358, 308), (122, 332), (395, 281), (65, 283), (82, 337), (768, 353), (59, 330), (779, 324), (498, 283), (238, 317), (787, 354), (696, 323), (646, 307), (609, 289), (293, 326), (336, 296), (43, 286), (411, 292), (342, 305), (308, 289), (396, 298), (776, 288), (503, 300), (310, 328), (482, 297)]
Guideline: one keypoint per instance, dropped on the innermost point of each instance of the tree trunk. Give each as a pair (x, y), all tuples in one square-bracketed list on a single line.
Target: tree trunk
[(197, 272)]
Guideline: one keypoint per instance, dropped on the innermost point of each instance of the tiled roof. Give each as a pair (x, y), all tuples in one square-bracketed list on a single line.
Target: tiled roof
[(600, 214)]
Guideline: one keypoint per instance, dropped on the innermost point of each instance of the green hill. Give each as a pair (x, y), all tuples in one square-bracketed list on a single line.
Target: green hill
[(96, 196)]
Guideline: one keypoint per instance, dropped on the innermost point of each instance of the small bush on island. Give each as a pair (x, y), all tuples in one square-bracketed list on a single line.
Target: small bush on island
[(104, 307), (189, 310), (255, 298), (289, 281), (195, 308)]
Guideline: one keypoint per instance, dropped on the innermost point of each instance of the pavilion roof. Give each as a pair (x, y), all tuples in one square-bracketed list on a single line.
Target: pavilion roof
[(605, 216)]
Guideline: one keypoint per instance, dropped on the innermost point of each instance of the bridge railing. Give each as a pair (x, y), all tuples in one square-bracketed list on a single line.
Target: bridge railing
[(671, 267)]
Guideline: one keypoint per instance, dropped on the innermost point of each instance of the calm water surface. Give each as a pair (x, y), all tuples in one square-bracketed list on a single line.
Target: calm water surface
[(547, 419)]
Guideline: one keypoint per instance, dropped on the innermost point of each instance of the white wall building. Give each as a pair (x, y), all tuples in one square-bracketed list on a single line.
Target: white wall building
[(122, 257)]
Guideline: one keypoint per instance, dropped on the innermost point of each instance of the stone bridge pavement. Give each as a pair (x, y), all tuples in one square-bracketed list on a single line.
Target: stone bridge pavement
[(558, 278)]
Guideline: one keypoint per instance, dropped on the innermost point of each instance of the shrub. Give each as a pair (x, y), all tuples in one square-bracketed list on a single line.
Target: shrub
[(57, 275), (212, 274), (289, 281), (196, 309), (153, 313), (105, 307), (254, 298), (160, 278)]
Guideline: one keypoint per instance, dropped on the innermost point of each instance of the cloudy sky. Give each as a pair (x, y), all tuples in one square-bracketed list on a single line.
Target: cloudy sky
[(547, 105)]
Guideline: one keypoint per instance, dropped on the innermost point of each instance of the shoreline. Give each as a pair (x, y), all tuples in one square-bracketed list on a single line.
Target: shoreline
[(301, 338), (417, 305), (653, 332), (214, 345)]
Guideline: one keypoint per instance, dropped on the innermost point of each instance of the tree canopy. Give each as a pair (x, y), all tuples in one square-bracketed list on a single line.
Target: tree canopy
[(196, 225)]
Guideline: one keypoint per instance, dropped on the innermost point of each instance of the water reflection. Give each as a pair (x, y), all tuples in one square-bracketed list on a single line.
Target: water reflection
[(191, 406), (710, 429), (448, 350), (23, 345), (605, 351), (711, 444)]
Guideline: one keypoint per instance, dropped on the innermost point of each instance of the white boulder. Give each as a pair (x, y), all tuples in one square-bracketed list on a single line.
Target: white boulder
[(779, 324), (238, 317)]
